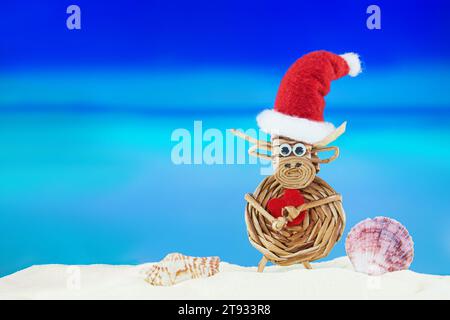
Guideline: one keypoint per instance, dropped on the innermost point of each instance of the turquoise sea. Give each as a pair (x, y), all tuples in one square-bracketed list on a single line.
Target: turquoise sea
[(94, 187)]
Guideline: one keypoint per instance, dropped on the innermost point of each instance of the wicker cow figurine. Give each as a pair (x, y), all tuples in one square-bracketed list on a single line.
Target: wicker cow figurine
[(294, 216)]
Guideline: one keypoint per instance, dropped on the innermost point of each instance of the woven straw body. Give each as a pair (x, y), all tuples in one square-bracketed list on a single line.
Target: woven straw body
[(311, 240)]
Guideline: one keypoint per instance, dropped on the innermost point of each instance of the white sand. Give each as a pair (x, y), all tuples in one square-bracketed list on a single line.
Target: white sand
[(329, 280)]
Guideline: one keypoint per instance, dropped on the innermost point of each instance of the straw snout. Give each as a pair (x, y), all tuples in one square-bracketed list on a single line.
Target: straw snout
[(295, 172), (293, 167)]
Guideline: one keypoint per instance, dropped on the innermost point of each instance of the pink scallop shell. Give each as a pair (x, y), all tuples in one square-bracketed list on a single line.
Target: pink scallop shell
[(379, 245)]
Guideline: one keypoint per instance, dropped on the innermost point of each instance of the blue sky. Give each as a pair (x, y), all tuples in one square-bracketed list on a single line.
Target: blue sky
[(250, 33), (226, 55)]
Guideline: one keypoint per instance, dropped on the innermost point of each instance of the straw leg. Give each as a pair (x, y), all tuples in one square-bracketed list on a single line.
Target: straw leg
[(307, 265), (262, 264)]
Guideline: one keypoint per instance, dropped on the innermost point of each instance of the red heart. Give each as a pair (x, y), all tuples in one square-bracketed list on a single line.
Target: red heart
[(290, 197)]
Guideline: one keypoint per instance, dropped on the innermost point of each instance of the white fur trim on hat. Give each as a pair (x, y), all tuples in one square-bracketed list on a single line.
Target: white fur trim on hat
[(353, 62), (305, 130)]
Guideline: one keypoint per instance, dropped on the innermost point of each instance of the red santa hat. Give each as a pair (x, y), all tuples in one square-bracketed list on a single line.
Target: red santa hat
[(300, 103)]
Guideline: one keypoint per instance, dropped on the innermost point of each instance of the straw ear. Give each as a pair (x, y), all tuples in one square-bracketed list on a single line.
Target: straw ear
[(332, 136), (316, 158)]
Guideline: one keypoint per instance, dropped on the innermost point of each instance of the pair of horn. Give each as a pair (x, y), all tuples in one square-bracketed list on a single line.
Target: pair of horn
[(316, 147)]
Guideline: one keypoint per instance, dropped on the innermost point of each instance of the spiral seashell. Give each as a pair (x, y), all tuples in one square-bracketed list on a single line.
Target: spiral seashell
[(176, 267), (379, 245)]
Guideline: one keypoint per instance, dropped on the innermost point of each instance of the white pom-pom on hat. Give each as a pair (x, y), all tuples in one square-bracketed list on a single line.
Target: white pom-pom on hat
[(354, 63)]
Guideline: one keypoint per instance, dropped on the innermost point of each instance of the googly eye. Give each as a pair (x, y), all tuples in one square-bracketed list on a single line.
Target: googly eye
[(285, 150), (299, 149)]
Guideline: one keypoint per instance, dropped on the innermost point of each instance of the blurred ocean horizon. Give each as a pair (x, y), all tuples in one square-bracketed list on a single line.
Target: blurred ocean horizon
[(101, 188)]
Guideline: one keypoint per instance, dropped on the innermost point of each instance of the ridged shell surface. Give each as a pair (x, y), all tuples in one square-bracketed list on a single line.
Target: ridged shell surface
[(379, 245), (176, 267)]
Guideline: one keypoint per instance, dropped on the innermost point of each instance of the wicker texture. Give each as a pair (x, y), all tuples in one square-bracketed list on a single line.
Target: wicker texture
[(312, 239)]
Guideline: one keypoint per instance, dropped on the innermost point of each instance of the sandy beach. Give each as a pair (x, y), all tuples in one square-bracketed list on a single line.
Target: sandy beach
[(333, 279)]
